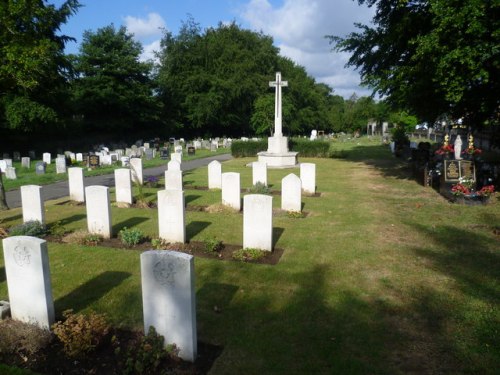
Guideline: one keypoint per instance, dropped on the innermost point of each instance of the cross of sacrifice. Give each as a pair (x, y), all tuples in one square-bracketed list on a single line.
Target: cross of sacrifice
[(277, 103)]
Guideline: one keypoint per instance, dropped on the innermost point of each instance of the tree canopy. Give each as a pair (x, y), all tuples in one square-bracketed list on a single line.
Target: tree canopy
[(431, 57), (33, 65)]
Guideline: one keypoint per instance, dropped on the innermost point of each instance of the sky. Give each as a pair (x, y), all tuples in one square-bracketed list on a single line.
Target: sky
[(298, 28)]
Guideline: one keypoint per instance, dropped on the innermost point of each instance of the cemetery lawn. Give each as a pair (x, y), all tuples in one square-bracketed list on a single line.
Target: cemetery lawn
[(29, 177), (382, 276)]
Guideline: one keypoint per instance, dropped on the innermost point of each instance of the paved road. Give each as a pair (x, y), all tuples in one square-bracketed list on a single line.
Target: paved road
[(61, 189)]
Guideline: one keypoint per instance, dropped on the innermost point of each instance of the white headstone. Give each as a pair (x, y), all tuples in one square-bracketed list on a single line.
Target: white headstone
[(197, 145), (173, 165), (214, 175), (46, 157), (79, 157), (230, 183), (308, 177), (178, 149), (176, 157), (61, 165), (146, 145), (32, 203), (291, 193), (10, 173), (259, 172), (28, 280), (3, 166), (76, 186), (136, 168), (258, 222), (123, 185), (8, 162), (98, 210), (314, 135), (125, 161), (171, 216), (169, 298), (26, 162), (106, 159), (173, 179)]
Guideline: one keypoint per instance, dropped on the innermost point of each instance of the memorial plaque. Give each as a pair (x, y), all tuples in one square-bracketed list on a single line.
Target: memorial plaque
[(467, 170), (191, 150), (40, 167), (451, 170), (94, 161)]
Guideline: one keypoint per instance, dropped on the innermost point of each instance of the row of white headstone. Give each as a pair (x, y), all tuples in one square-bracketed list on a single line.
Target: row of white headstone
[(168, 290)]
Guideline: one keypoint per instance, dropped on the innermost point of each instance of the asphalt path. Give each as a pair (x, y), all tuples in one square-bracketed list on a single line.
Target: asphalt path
[(61, 189)]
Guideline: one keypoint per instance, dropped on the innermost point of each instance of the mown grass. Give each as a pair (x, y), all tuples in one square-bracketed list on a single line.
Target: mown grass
[(383, 276), (28, 176)]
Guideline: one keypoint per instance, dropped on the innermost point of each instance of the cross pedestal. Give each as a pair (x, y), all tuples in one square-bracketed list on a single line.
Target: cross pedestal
[(277, 154)]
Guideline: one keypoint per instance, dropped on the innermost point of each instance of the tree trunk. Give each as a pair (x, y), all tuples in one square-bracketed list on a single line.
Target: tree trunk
[(3, 198)]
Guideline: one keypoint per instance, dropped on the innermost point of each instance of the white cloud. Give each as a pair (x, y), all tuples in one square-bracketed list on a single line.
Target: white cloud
[(299, 28), (149, 51), (141, 28)]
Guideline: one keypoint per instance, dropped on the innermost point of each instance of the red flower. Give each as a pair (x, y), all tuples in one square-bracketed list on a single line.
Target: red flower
[(444, 150), (486, 191)]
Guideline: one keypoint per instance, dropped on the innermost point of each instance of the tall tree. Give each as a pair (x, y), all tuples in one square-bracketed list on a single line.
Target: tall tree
[(112, 87), (32, 62), (432, 56)]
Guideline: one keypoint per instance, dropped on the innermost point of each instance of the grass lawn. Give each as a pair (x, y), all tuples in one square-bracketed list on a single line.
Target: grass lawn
[(383, 276), (29, 177)]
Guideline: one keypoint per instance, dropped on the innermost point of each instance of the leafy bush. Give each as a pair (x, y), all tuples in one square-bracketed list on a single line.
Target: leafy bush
[(248, 254), (241, 149), (147, 358), (259, 188), (81, 334), (307, 148), (30, 228), (19, 338), (131, 237), (159, 244), (213, 245), (57, 229), (82, 237)]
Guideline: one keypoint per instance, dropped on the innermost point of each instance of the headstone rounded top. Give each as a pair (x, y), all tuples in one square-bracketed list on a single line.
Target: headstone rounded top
[(96, 188), (23, 239), (291, 177), (177, 254)]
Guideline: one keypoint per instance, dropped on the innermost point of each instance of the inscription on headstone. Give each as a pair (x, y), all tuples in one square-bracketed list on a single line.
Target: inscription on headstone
[(94, 161)]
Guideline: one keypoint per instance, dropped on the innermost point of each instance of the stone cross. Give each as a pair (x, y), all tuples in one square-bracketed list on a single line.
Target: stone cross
[(277, 103)]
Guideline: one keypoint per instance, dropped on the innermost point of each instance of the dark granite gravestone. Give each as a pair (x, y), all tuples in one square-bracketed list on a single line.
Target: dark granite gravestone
[(94, 161), (164, 154), (32, 155), (40, 167), (191, 150)]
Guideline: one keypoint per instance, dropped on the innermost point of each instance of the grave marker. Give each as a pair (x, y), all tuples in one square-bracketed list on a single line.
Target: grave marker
[(123, 185), (46, 157), (173, 165), (176, 157), (32, 203), (171, 216), (26, 162), (169, 298), (76, 186), (28, 280), (259, 173), (258, 222), (230, 184), (173, 179), (214, 175), (61, 165), (136, 168), (308, 177), (10, 173), (40, 167), (94, 161), (98, 210), (291, 193)]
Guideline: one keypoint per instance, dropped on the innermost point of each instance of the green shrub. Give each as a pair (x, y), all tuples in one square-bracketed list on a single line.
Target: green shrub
[(131, 237), (295, 214), (57, 229), (81, 334), (30, 228), (241, 149), (213, 245), (248, 254), (259, 188), (147, 358), (158, 243), (307, 148)]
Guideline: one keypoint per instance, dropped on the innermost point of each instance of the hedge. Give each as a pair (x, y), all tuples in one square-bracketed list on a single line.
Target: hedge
[(305, 148)]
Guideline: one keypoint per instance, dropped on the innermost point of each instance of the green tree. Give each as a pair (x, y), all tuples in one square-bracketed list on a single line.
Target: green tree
[(33, 66), (112, 88), (431, 57)]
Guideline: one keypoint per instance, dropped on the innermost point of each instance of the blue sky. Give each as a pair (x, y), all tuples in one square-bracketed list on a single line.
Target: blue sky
[(297, 27)]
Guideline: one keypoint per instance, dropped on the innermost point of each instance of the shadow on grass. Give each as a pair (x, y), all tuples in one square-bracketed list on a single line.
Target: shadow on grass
[(91, 291), (3, 276), (71, 219), (11, 218), (129, 223), (216, 296), (190, 198), (277, 233), (195, 227)]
